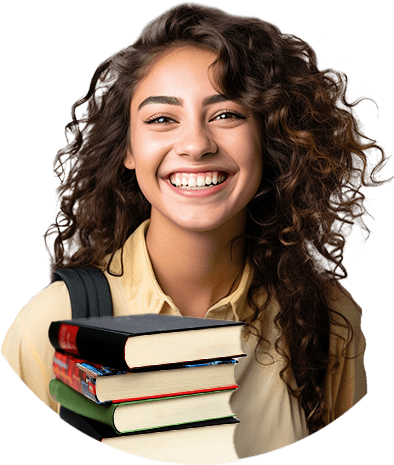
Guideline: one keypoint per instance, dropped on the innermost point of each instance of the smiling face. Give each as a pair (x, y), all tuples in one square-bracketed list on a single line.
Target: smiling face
[(197, 155)]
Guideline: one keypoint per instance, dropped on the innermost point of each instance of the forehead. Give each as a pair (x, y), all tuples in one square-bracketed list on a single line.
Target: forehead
[(178, 70)]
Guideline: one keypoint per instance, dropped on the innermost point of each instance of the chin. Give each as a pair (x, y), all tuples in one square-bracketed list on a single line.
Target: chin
[(199, 223), (198, 226)]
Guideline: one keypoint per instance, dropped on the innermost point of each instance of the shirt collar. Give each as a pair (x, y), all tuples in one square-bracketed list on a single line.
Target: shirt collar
[(142, 288)]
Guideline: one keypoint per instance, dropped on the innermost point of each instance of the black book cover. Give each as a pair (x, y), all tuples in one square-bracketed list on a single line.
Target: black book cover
[(99, 431), (103, 339)]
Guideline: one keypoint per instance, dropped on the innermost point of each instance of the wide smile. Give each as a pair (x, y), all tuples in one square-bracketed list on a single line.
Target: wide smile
[(200, 184)]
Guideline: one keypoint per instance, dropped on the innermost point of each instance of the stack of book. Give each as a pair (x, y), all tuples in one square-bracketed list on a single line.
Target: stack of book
[(157, 386)]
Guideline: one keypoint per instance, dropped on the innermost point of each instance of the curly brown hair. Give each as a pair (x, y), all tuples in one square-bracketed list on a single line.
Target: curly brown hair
[(315, 163)]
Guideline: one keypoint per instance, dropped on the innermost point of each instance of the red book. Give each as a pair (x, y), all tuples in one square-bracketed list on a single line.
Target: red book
[(105, 385)]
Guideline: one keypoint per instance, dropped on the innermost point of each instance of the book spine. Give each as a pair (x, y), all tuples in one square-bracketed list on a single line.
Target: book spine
[(68, 370), (73, 400), (92, 344)]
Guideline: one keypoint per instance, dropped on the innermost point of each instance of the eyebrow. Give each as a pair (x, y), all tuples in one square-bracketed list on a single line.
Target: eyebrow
[(168, 100)]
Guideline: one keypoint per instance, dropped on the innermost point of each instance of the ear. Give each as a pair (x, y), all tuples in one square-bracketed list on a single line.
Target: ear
[(129, 161)]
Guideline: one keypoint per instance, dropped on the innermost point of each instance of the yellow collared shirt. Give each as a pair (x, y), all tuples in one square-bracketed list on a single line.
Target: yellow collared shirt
[(269, 417)]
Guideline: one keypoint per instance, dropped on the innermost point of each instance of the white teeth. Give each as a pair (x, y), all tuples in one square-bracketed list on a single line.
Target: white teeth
[(200, 181), (196, 180)]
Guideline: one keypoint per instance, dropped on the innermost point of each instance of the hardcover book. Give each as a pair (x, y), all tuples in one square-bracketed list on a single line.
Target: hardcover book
[(146, 414), (129, 342), (200, 442), (103, 384)]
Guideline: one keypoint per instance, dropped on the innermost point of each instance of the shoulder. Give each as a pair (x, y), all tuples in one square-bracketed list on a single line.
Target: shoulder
[(346, 336), (344, 309), (52, 303), (32, 323), (346, 379)]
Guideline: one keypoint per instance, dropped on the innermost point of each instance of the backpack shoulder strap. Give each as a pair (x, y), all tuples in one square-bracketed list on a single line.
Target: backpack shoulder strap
[(89, 291)]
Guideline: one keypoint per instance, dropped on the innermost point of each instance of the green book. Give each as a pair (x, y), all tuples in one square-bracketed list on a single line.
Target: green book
[(126, 417)]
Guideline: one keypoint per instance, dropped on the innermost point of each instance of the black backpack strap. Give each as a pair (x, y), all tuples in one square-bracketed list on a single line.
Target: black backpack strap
[(89, 291)]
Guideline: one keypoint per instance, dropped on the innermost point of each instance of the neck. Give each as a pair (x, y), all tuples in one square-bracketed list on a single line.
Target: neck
[(196, 269)]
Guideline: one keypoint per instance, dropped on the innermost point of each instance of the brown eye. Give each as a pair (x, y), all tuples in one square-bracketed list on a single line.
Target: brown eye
[(227, 115)]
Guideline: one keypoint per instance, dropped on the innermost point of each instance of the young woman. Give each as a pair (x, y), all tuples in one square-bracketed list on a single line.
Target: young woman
[(211, 177)]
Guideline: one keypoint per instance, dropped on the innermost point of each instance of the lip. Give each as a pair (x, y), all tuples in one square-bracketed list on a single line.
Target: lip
[(198, 192)]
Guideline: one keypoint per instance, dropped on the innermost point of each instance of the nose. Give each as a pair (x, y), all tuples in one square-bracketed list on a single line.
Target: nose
[(195, 141)]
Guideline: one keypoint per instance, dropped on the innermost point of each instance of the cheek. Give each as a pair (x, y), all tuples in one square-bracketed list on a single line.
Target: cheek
[(149, 151), (251, 158)]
